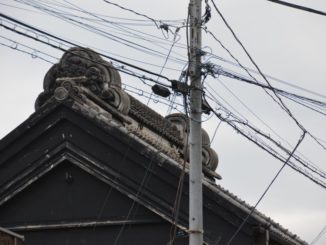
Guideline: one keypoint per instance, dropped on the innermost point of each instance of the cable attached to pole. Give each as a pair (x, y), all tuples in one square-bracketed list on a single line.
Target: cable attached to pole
[(267, 189)]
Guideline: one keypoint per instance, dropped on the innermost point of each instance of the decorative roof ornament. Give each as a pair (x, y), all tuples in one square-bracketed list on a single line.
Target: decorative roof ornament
[(84, 67), (209, 156)]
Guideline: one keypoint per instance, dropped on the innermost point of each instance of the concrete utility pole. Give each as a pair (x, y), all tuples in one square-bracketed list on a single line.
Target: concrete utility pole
[(195, 138)]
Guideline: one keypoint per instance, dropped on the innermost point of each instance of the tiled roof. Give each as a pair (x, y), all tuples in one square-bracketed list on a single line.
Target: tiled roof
[(139, 120), (154, 121), (275, 228)]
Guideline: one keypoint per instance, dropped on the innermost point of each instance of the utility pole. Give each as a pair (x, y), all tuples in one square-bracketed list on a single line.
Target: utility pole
[(195, 138)]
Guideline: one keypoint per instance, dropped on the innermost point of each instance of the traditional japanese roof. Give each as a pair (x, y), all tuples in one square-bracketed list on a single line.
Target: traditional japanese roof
[(84, 117)]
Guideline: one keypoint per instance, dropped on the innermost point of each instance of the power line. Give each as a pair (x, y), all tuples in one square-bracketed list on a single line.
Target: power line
[(12, 6), (114, 23), (243, 67), (167, 58), (233, 121), (117, 67), (99, 17), (108, 194), (319, 236), (159, 26), (177, 202), (217, 70), (290, 84), (143, 62), (146, 95), (230, 53), (212, 90), (34, 53), (145, 179), (171, 105), (113, 17), (267, 189), (305, 105), (282, 105), (106, 34), (299, 7), (215, 131), (249, 70), (133, 33), (73, 44), (254, 114), (279, 101), (312, 167)]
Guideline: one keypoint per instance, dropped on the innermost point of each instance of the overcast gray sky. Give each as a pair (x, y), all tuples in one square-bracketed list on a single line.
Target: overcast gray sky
[(286, 43)]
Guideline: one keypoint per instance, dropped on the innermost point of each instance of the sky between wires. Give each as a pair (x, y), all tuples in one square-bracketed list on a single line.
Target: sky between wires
[(286, 43)]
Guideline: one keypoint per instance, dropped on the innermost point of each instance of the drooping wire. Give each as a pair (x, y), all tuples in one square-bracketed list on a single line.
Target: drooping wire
[(98, 18), (166, 60), (116, 24), (109, 192), (267, 189), (171, 105), (302, 100), (315, 11), (121, 56), (20, 8), (319, 236), (215, 131), (278, 100), (68, 17), (177, 201), (249, 70), (158, 24), (34, 53), (233, 121), (121, 68), (264, 123), (175, 105), (107, 34), (113, 17), (145, 180)]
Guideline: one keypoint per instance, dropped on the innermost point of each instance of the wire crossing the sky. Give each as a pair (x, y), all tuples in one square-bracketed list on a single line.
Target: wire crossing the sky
[(69, 42), (292, 5), (278, 100), (266, 190)]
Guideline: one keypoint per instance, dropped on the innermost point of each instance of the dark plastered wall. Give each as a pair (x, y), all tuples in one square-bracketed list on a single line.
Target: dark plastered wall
[(67, 195)]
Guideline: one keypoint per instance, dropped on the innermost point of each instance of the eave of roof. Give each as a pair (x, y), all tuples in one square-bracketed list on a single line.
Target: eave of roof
[(11, 233)]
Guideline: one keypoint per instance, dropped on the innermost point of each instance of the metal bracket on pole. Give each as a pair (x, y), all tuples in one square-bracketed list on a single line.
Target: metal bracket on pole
[(180, 87), (195, 231)]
